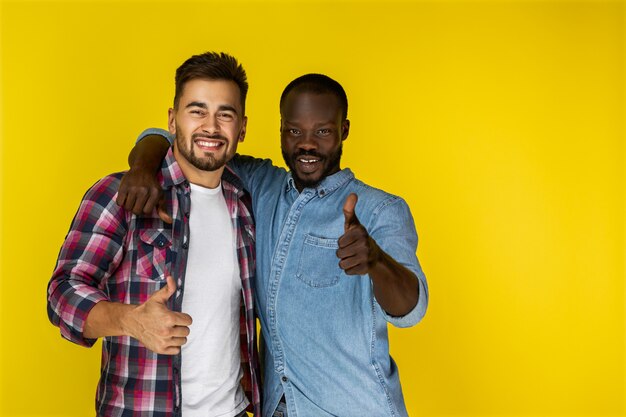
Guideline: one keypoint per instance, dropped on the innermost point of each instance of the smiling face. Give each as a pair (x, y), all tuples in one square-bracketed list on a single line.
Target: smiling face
[(208, 123), (312, 133)]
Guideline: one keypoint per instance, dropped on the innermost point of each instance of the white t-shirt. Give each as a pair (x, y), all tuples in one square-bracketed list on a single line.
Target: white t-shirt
[(211, 360)]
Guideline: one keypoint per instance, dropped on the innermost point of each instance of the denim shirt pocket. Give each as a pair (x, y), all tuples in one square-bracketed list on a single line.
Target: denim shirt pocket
[(318, 266), (153, 254)]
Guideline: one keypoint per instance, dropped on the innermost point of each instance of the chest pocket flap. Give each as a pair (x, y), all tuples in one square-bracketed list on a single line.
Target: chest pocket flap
[(154, 253)]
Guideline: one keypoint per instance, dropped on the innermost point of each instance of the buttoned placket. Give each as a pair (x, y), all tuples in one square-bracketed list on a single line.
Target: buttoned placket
[(183, 211), (278, 263)]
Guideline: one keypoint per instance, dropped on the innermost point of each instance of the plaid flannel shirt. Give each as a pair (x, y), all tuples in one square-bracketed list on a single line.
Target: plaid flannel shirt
[(111, 254)]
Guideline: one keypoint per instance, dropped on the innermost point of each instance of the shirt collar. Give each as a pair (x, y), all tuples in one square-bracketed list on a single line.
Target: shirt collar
[(171, 174), (328, 184)]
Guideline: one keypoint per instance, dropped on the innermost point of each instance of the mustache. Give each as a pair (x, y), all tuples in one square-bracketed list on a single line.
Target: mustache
[(304, 152), (195, 136)]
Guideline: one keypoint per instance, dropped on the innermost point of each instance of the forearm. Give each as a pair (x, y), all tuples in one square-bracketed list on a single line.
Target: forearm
[(140, 191), (148, 153), (108, 319), (152, 323), (396, 288)]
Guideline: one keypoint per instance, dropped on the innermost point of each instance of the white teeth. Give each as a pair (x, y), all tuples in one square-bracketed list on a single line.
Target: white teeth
[(308, 161), (208, 144)]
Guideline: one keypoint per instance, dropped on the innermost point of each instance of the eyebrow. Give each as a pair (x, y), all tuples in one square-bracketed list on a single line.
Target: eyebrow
[(204, 106), (197, 104), (316, 126), (227, 107)]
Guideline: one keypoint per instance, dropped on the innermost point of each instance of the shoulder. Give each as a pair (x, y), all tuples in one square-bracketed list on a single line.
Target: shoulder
[(105, 189), (98, 210), (374, 199), (231, 181)]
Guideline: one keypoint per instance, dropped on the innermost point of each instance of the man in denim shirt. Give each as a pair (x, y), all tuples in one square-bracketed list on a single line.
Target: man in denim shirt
[(331, 272)]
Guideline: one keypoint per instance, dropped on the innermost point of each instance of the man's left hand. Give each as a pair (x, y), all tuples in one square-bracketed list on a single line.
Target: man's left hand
[(357, 252)]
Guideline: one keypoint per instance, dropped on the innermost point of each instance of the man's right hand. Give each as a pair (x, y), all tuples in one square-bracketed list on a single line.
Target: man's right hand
[(156, 326), (141, 193)]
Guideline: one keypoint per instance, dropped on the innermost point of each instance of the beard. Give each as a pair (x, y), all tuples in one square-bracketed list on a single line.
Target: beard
[(209, 162), (331, 163)]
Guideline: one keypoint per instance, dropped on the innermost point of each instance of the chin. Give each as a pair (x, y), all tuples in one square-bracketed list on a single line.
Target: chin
[(308, 182)]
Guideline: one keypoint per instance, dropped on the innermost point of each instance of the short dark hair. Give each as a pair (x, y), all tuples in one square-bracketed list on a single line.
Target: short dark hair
[(319, 84), (212, 66)]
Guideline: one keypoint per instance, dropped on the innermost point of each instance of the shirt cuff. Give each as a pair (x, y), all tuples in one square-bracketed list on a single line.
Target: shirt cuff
[(156, 131), (414, 316), (73, 314)]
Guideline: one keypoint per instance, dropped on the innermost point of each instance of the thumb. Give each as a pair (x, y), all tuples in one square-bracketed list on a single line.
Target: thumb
[(162, 295), (163, 212), (348, 211)]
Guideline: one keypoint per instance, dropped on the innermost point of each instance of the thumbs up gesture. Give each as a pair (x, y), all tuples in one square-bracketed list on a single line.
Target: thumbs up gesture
[(357, 252), (156, 326)]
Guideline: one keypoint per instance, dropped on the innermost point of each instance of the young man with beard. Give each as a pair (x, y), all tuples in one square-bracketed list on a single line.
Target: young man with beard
[(328, 283), (114, 273)]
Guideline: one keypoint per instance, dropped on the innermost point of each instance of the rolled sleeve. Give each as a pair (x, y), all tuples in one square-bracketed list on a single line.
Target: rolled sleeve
[(419, 311), (156, 131), (69, 305), (91, 252)]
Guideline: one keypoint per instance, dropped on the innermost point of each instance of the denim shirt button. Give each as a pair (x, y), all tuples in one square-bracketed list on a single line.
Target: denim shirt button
[(284, 378)]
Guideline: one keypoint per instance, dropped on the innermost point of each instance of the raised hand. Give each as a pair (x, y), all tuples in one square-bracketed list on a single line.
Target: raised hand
[(357, 252), (156, 326)]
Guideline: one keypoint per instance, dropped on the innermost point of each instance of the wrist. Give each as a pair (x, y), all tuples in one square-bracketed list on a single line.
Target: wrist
[(376, 254), (140, 165), (127, 320)]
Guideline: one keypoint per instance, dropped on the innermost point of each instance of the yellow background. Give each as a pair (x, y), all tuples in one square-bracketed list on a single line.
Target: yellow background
[(501, 123)]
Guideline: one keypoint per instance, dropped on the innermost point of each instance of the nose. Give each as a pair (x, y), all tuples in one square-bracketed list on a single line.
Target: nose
[(210, 125), (307, 142)]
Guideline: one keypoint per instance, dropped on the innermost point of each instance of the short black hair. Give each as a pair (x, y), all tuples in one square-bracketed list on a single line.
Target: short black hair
[(318, 84), (212, 66)]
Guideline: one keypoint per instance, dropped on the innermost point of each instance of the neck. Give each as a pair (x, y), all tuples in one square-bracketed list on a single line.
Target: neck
[(207, 179)]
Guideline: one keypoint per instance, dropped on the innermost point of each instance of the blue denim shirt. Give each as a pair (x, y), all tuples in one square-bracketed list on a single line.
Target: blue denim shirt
[(326, 343)]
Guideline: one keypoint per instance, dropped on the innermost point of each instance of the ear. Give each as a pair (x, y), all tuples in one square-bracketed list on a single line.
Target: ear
[(242, 132), (345, 129), (171, 121)]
